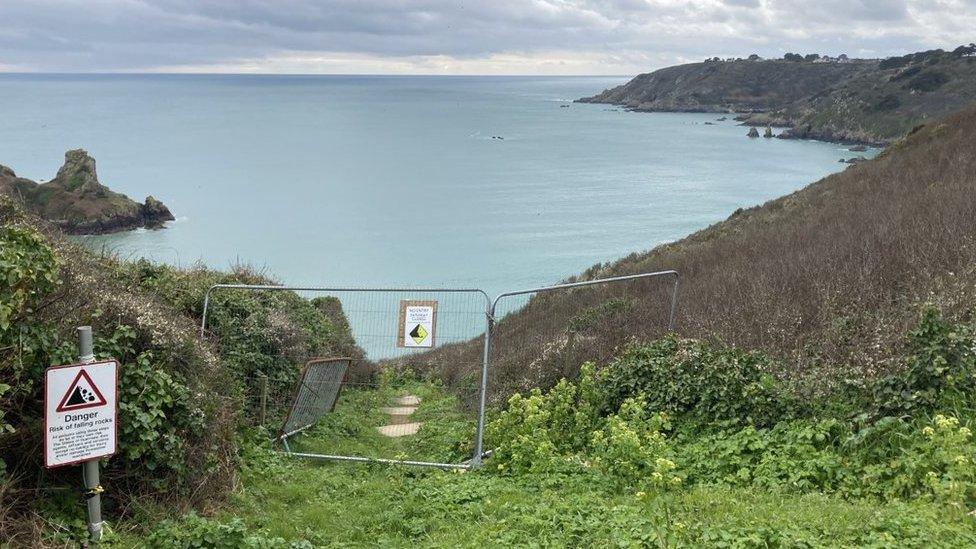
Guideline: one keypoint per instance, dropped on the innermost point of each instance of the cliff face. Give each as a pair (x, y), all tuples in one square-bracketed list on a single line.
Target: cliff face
[(77, 203), (728, 86)]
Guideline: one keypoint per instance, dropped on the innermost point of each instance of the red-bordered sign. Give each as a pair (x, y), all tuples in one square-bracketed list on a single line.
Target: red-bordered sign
[(80, 412), (81, 394)]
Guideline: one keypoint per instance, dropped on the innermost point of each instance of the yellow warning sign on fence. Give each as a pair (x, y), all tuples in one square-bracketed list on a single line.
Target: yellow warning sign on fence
[(417, 324)]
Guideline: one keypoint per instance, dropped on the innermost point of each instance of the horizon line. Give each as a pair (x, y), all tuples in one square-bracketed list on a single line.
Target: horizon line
[(151, 73)]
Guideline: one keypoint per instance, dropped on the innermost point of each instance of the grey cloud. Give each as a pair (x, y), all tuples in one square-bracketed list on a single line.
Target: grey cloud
[(106, 35)]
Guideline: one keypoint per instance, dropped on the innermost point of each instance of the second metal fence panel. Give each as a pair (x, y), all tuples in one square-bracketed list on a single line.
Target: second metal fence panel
[(409, 393), (541, 335)]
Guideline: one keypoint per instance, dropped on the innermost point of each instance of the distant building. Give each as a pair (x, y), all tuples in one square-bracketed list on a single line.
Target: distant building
[(842, 58)]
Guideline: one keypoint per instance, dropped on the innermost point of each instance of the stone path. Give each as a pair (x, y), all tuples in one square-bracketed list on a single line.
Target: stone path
[(400, 424)]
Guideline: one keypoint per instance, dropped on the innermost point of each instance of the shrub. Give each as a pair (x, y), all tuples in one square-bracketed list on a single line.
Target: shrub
[(28, 275), (168, 435), (796, 455), (931, 460), (939, 367), (157, 414), (630, 447), (539, 431), (889, 102), (193, 531), (693, 378), (258, 333), (927, 81)]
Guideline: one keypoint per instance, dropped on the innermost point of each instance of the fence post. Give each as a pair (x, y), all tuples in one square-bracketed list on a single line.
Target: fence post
[(264, 398), (89, 471), (485, 358)]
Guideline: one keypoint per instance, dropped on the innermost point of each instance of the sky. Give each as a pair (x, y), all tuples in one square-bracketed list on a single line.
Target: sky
[(599, 37)]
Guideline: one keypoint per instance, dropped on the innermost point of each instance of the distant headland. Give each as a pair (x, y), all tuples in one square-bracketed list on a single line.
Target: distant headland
[(867, 101), (78, 204)]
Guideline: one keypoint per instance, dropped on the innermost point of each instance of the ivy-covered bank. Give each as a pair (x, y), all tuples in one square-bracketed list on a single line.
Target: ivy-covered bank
[(180, 396)]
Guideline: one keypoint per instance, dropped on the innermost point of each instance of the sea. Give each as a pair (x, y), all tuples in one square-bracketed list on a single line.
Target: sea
[(497, 183)]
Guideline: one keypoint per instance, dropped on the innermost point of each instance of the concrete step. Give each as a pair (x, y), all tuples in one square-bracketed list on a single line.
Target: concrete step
[(399, 414), (408, 400), (399, 429)]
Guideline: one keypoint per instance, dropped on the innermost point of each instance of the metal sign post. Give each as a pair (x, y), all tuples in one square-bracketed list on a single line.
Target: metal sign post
[(89, 472), (80, 408)]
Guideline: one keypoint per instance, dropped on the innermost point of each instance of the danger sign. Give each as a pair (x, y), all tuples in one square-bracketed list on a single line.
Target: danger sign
[(80, 412), (418, 320)]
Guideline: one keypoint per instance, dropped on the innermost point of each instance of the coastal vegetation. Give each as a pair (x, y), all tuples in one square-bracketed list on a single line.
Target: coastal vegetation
[(817, 389), (181, 396)]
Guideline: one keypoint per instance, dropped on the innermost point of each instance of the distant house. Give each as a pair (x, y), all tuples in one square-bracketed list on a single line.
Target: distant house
[(842, 58)]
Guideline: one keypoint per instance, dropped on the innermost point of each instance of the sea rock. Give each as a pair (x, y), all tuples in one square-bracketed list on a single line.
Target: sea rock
[(753, 132), (858, 148), (155, 213), (78, 174), (723, 119), (78, 203), (768, 133)]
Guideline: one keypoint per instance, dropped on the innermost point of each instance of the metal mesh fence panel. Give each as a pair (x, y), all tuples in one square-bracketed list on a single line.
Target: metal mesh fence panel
[(315, 394), (411, 389)]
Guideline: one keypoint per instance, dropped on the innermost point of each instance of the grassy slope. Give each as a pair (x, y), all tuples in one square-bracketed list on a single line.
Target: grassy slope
[(284, 500)]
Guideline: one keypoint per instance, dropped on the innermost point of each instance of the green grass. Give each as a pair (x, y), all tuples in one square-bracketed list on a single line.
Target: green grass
[(446, 435), (286, 501)]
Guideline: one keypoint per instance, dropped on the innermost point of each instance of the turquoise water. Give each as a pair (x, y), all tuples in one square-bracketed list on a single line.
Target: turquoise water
[(350, 180)]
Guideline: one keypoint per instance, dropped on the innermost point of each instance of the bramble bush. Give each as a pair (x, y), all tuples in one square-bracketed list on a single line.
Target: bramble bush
[(686, 377), (939, 370)]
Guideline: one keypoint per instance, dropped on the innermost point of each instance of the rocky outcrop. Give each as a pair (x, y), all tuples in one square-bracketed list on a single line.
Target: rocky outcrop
[(753, 132), (768, 133), (78, 203)]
